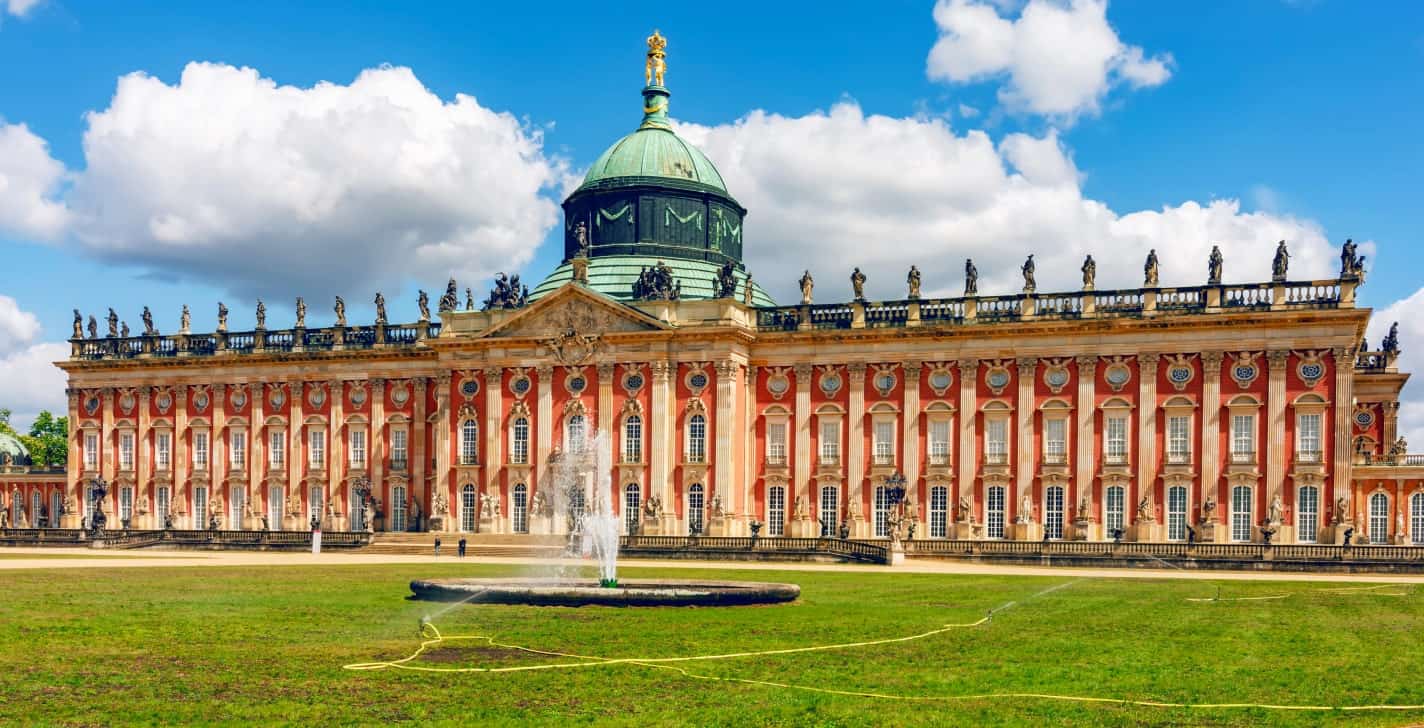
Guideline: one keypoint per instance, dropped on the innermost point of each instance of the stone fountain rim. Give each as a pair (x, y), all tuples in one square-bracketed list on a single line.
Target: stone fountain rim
[(551, 591)]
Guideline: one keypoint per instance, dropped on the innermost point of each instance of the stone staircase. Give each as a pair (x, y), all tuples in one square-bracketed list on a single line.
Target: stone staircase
[(477, 544)]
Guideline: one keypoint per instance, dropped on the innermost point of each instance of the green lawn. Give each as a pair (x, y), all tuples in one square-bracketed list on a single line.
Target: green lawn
[(266, 645)]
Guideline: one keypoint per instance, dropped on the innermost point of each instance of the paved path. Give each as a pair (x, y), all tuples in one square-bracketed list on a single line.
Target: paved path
[(83, 558)]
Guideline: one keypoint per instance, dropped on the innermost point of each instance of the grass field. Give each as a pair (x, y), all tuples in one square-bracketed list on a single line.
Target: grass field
[(266, 645)]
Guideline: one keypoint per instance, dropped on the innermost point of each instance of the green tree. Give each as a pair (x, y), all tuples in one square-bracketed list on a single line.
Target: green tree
[(5, 428), (48, 441)]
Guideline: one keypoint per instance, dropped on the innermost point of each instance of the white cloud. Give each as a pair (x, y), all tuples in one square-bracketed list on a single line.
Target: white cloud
[(1409, 313), (17, 328), (967, 111), (841, 188), (21, 8), (29, 183), (1060, 59), (30, 382), (229, 178)]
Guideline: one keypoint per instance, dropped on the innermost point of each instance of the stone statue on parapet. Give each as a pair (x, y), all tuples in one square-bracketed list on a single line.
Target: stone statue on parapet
[(450, 300), (507, 293), (78, 324), (113, 324), (725, 283), (222, 317), (1090, 273), (423, 301), (1280, 263), (148, 327), (747, 290), (971, 278), (1030, 284), (469, 299), (1149, 270), (1213, 267), (261, 314), (1352, 264), (857, 284), (808, 284), (340, 312), (912, 282), (1390, 343), (657, 284), (93, 328), (185, 320), (380, 309), (124, 330), (301, 313), (581, 239)]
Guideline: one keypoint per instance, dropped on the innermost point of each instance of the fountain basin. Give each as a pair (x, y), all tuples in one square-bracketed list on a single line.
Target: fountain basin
[(583, 592)]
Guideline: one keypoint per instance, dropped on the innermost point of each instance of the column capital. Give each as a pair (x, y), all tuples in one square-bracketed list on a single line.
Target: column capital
[(1026, 366), (1277, 359), (605, 371), (726, 368), (378, 384), (1212, 358), (1344, 354), (969, 367), (492, 376), (1148, 363), (421, 384), (662, 370), (856, 370), (912, 370), (1086, 364), (544, 371)]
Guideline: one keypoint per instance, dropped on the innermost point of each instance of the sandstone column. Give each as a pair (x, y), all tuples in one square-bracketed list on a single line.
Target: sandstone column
[(727, 376), (968, 420), (1211, 438), (1023, 451), (910, 423)]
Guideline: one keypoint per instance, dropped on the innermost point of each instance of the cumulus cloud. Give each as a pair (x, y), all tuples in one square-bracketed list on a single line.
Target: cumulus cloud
[(841, 187), (29, 381), (30, 181), (1409, 312), (229, 178), (20, 8), (1059, 59), (17, 328)]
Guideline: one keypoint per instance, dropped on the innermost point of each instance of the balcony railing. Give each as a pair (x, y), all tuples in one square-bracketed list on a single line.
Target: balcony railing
[(399, 465), (1115, 458), (1243, 457), (1309, 457), (996, 458), (883, 459), (253, 342), (1055, 458), (694, 457), (1179, 457), (939, 458)]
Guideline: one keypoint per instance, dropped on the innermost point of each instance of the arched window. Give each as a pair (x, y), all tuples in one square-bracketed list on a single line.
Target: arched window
[(469, 509), (632, 501), (776, 510), (939, 512), (276, 505), (398, 508), (469, 443), (1379, 518), (1177, 513), (576, 432), (882, 513), (1114, 501), (519, 508), (1416, 519), (200, 508), (1053, 512), (994, 512), (633, 439), (830, 509), (697, 439), (694, 508), (519, 441), (1307, 514), (1241, 513)]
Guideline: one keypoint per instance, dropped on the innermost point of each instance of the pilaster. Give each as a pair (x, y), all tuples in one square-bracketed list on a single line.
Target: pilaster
[(660, 435), (1210, 430), (441, 441), (296, 455), (544, 424), (1342, 423), (418, 456), (1086, 408), (493, 460), (74, 463), (605, 405), (855, 439), (376, 442), (727, 377), (1147, 427), (336, 453), (910, 424), (143, 463), (968, 419), (257, 446), (1276, 444), (1023, 450)]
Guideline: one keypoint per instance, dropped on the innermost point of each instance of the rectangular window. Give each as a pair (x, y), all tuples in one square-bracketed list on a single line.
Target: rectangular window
[(1179, 440), (697, 439), (1307, 438), (776, 443), (91, 450), (1241, 513), (1055, 441), (776, 510), (885, 442), (1176, 513), (830, 442), (939, 442), (1115, 440), (996, 441), (200, 508), (1307, 517), (939, 512), (163, 503), (277, 451), (994, 513), (200, 451), (399, 451), (1243, 438), (1053, 512), (519, 440), (356, 442), (126, 506), (163, 450), (316, 448), (237, 449), (1113, 510), (126, 451)]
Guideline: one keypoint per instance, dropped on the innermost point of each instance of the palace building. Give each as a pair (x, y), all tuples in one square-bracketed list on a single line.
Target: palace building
[(1219, 412)]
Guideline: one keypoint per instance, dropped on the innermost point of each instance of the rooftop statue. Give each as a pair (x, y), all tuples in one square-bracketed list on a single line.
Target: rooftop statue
[(450, 300), (148, 327), (222, 317), (1090, 273), (423, 301), (301, 313), (581, 237), (1029, 284), (807, 284), (340, 309), (78, 324), (1352, 265), (657, 284), (725, 283), (747, 290), (469, 299), (1213, 267), (380, 309), (1390, 344), (912, 281), (1280, 263), (857, 284), (124, 330), (507, 293), (261, 314), (657, 60), (185, 320), (971, 278), (93, 328), (113, 324), (1149, 270)]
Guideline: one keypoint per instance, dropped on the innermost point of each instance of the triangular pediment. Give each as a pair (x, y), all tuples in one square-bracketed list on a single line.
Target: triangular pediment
[(578, 310)]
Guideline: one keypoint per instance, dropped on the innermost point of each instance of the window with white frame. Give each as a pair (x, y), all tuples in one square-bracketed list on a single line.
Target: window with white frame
[(316, 498), (469, 443), (939, 512), (996, 441), (1177, 513), (519, 508), (468, 509), (830, 442), (91, 450), (126, 451), (1055, 441), (994, 512), (1053, 512), (884, 442), (1416, 519), (632, 501), (519, 441), (237, 449), (162, 502), (1115, 440), (939, 442), (398, 508), (1307, 437), (1114, 501), (776, 510), (830, 513), (200, 508), (163, 450), (276, 448), (776, 443), (316, 449), (200, 451), (576, 434), (356, 448), (1243, 438), (400, 448), (1379, 518), (236, 507), (695, 510), (1179, 439), (882, 513), (632, 439), (1307, 514), (276, 506), (697, 439), (126, 496), (1241, 505)]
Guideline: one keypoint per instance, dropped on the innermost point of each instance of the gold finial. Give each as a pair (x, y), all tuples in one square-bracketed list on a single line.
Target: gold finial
[(656, 65)]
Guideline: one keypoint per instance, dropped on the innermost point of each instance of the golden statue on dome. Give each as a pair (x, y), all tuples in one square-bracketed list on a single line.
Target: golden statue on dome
[(656, 65)]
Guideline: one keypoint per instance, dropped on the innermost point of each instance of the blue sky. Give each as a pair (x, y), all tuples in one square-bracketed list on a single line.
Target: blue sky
[(1306, 113)]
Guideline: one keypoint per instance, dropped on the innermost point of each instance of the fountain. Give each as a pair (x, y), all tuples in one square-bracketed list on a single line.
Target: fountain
[(583, 494)]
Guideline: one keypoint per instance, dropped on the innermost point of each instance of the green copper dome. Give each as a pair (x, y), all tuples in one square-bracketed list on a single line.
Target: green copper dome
[(653, 155)]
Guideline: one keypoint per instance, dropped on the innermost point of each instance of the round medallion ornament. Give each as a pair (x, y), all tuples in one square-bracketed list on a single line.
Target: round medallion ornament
[(164, 401), (317, 397), (576, 384), (239, 398), (1117, 375), (91, 405), (470, 387), (358, 397), (1311, 372), (698, 380), (830, 383), (940, 379), (1364, 418), (1179, 374), (778, 384), (400, 395), (126, 402), (278, 398), (633, 382), (1243, 373), (1056, 377), (885, 381), (997, 378), (201, 401), (520, 385)]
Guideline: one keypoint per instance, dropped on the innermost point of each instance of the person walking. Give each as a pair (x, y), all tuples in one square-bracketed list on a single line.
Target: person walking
[(437, 545), (462, 548)]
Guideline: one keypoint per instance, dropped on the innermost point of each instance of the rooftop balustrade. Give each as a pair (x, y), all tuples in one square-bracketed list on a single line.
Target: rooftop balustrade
[(258, 341)]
